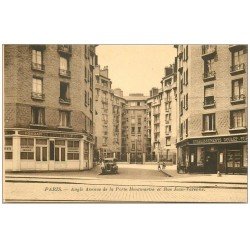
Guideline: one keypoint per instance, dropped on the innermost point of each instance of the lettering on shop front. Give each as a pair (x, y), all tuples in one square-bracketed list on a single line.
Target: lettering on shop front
[(38, 133), (233, 139)]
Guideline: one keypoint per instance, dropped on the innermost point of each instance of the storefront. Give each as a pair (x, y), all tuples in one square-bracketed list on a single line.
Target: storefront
[(32, 150), (227, 154)]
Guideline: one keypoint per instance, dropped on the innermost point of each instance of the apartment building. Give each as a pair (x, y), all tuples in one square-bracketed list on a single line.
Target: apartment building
[(109, 104), (136, 127), (48, 107), (162, 118), (212, 101)]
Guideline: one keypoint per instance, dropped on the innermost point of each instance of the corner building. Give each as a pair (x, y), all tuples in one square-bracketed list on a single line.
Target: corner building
[(48, 113), (212, 100)]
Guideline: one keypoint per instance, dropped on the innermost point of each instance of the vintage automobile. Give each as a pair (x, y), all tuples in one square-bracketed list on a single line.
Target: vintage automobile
[(110, 166)]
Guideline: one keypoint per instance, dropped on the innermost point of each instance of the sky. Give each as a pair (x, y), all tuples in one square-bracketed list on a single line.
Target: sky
[(135, 68)]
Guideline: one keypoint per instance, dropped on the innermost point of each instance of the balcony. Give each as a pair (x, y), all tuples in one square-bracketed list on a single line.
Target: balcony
[(237, 99), (209, 132), (208, 50), (37, 96), (64, 100), (209, 102), (38, 66), (208, 76), (238, 129), (64, 73), (156, 102), (237, 69), (233, 47), (65, 49)]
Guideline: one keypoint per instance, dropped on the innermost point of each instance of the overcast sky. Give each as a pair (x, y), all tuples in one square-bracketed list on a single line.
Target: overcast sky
[(136, 68)]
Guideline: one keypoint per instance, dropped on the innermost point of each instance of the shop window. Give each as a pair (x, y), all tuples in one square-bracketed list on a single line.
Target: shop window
[(59, 150), (245, 155), (37, 116), (64, 118), (73, 150), (234, 158), (209, 122), (200, 156), (27, 149), (41, 149), (8, 148), (238, 119)]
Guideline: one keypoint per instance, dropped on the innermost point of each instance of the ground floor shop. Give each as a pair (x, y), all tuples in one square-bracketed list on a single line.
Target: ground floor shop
[(227, 154), (36, 150)]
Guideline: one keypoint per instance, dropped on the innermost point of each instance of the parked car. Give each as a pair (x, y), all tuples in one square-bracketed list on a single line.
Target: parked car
[(110, 166)]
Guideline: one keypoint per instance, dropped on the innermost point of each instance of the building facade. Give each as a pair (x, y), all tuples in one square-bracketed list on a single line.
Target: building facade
[(136, 127), (48, 112), (109, 104), (212, 101), (162, 118)]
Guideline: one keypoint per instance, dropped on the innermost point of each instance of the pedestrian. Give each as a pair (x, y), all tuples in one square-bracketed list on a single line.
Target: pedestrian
[(159, 166), (163, 165)]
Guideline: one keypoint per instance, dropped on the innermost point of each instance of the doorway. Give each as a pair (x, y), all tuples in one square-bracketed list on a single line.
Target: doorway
[(211, 162)]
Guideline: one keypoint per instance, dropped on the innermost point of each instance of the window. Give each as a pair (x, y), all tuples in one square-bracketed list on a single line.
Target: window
[(138, 103), (132, 104), (8, 148), (37, 60), (237, 57), (86, 98), (187, 77), (41, 149), (209, 122), (132, 130), (139, 120), (181, 107), (59, 150), (186, 127), (104, 140), (208, 68), (37, 116), (209, 95), (168, 129), (133, 146), (132, 120), (237, 89), (238, 119), (168, 142), (64, 65), (37, 56), (181, 131), (64, 119), (186, 102), (139, 129), (37, 86), (73, 150), (27, 149), (64, 92)]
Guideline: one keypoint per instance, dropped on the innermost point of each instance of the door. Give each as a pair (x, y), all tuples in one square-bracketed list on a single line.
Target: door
[(211, 162)]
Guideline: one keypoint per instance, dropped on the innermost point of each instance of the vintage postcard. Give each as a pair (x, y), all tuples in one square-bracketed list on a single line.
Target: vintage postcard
[(125, 123)]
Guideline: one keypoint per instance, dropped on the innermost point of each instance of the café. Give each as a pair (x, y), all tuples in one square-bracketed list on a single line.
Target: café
[(227, 154), (33, 150)]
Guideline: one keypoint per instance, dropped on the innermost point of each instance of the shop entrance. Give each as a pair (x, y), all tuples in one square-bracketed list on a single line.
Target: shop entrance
[(211, 162)]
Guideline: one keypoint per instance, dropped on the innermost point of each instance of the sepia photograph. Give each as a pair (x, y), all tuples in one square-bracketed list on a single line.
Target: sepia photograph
[(125, 123)]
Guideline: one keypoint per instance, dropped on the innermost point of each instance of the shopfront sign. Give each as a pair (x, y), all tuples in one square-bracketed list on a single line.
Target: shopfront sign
[(219, 140), (27, 148), (49, 134)]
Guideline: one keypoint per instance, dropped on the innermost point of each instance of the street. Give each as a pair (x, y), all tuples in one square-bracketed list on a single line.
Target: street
[(134, 183)]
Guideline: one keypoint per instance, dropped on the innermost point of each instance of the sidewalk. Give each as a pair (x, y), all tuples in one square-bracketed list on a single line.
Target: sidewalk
[(204, 178)]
